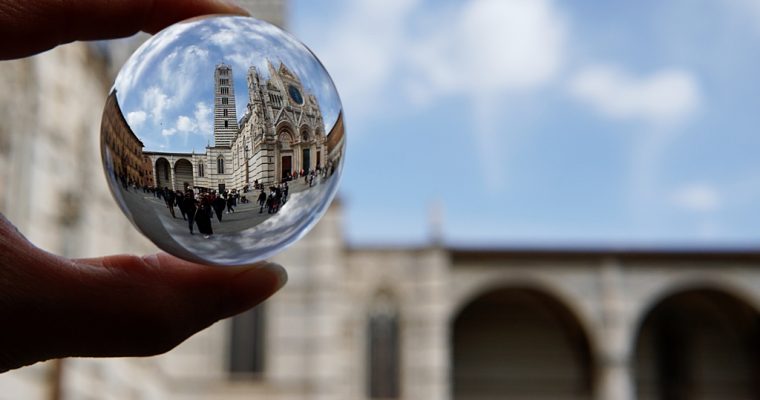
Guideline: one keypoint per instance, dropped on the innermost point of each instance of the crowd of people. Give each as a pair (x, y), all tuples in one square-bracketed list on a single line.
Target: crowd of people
[(278, 195), (199, 209), (199, 206)]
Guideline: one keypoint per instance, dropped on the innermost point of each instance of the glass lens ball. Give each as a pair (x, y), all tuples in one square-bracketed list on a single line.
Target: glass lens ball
[(222, 139)]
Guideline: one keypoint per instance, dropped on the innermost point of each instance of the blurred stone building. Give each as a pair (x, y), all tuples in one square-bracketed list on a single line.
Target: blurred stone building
[(431, 322)]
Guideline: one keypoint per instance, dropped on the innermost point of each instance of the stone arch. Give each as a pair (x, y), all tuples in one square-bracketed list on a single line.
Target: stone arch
[(285, 139), (698, 342), (285, 135), (284, 126), (305, 134), (718, 282), (519, 342), (163, 173), (183, 174), (468, 291), (286, 162)]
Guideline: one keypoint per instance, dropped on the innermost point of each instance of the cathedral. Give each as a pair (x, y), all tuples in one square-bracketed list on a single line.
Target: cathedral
[(280, 136)]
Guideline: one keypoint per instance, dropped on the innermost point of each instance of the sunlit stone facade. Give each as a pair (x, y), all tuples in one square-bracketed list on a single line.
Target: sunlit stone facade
[(129, 165)]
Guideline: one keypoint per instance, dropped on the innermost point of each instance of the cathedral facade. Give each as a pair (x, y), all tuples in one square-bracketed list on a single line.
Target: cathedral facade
[(281, 135)]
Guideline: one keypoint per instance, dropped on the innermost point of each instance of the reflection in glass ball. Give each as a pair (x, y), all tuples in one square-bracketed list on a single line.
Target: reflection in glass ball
[(222, 139)]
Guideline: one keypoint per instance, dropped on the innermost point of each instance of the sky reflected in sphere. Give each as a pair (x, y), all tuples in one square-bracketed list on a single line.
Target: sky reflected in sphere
[(222, 139)]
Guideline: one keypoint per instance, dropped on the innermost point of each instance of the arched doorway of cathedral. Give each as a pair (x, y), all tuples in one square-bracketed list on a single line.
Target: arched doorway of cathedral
[(306, 152), (183, 174), (699, 344), (285, 158), (519, 343), (163, 173)]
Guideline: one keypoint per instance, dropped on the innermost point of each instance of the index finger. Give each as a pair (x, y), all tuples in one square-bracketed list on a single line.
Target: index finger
[(31, 26)]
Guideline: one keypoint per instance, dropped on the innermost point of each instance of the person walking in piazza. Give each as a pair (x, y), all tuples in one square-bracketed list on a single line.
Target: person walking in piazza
[(169, 198), (230, 203), (218, 203), (262, 200), (179, 200), (190, 208), (285, 190), (203, 217), (277, 198), (270, 201)]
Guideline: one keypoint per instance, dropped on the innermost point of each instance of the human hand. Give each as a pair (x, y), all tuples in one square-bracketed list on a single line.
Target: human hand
[(123, 305), (31, 26), (119, 305)]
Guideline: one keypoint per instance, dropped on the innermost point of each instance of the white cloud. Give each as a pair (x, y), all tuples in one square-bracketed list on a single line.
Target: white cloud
[(136, 119), (179, 72), (489, 45), (156, 102), (203, 118), (200, 123), (145, 57), (185, 124), (667, 96), (493, 46), (223, 37), (696, 197), (477, 49), (168, 132), (364, 50)]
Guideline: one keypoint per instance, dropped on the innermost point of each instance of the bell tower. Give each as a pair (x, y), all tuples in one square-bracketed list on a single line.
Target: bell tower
[(225, 115)]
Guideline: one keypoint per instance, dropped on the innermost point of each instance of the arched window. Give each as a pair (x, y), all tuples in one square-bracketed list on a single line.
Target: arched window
[(383, 349), (220, 165), (285, 140), (200, 169), (305, 136)]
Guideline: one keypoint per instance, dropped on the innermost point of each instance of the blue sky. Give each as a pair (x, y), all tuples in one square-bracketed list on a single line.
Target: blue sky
[(166, 88), (539, 122)]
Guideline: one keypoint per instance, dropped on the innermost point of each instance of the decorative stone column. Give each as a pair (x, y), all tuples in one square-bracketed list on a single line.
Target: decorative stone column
[(171, 174), (614, 375), (425, 333)]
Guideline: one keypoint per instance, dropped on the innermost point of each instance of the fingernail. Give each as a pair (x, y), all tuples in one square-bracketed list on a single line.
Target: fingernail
[(279, 271), (152, 260), (255, 278), (254, 285)]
